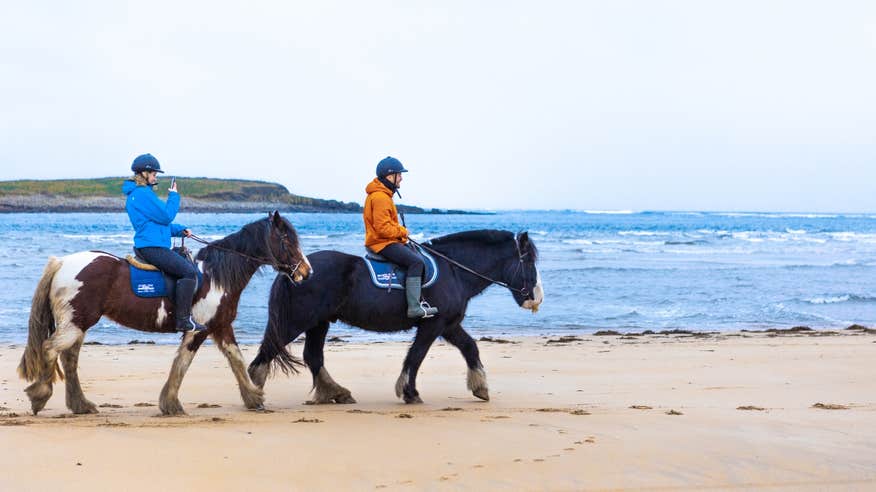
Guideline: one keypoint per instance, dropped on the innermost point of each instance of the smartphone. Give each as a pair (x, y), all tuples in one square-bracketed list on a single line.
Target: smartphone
[(172, 182)]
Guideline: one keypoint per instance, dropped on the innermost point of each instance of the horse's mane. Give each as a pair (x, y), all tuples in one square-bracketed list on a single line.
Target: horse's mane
[(446, 244), (232, 272)]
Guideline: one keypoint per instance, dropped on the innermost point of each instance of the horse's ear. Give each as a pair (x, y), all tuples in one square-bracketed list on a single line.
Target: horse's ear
[(276, 220), (523, 238)]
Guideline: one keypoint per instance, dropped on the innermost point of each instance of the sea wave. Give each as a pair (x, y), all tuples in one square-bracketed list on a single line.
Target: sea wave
[(609, 212), (840, 299), (643, 233)]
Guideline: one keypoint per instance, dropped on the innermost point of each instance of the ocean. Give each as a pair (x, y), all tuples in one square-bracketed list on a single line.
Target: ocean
[(618, 270)]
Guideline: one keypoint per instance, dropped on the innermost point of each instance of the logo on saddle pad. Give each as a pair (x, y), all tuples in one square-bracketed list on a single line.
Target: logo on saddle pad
[(388, 275), (154, 283)]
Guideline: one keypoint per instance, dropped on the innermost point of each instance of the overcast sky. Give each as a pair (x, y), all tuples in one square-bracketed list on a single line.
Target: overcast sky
[(640, 105)]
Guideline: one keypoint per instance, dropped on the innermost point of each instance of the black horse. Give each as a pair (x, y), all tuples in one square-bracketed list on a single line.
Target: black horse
[(340, 289)]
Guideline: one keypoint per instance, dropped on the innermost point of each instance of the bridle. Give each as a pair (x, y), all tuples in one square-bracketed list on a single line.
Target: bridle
[(273, 261), (524, 291)]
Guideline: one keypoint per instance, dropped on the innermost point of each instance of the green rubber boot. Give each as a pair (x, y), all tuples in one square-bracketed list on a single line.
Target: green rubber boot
[(416, 309)]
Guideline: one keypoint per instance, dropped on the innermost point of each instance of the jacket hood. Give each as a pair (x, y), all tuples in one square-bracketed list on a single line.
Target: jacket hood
[(128, 186), (376, 185)]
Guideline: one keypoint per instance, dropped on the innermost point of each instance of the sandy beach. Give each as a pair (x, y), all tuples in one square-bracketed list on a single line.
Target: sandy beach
[(794, 411)]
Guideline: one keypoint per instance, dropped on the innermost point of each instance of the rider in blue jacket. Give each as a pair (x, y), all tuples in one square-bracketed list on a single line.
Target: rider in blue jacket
[(153, 227)]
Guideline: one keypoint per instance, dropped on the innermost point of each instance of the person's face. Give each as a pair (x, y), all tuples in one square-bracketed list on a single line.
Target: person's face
[(151, 177), (395, 179)]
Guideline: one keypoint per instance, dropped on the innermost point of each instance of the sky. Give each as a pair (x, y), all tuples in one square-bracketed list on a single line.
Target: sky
[(586, 105)]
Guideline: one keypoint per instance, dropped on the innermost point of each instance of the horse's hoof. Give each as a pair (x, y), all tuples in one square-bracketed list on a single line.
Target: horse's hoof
[(85, 410), (39, 395), (413, 399), (259, 409), (345, 399), (175, 413), (482, 393), (172, 409)]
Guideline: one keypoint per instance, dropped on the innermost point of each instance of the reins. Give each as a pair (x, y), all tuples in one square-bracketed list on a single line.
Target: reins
[(522, 291), (265, 261)]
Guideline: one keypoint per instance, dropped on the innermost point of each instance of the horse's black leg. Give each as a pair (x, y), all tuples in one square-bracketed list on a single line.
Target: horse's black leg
[(325, 389), (477, 378), (269, 350), (406, 385)]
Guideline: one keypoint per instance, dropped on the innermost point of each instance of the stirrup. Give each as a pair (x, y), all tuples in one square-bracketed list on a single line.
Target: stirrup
[(191, 325), (426, 308)]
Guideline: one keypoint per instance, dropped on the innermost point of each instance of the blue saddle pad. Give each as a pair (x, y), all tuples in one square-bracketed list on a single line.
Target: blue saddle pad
[(388, 275), (154, 283)]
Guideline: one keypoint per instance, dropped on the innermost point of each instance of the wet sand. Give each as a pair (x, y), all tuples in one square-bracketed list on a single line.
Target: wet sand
[(794, 411)]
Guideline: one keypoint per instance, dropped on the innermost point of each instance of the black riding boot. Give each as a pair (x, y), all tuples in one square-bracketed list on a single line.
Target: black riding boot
[(416, 309), (185, 292)]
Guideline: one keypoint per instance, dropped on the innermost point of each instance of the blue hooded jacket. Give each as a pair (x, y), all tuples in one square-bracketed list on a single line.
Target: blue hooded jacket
[(152, 219)]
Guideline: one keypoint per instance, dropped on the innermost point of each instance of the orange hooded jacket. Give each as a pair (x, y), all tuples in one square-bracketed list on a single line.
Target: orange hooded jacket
[(381, 218)]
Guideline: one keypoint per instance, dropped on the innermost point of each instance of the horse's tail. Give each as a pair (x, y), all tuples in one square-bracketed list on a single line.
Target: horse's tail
[(273, 349), (40, 326)]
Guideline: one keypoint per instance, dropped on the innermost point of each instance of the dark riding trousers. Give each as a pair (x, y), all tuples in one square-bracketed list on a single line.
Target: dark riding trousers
[(404, 256), (169, 262)]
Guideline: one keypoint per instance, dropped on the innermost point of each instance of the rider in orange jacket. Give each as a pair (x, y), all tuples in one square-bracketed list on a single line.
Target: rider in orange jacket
[(384, 234)]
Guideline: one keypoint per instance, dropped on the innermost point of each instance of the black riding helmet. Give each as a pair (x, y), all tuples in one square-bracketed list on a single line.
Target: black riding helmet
[(389, 165), (145, 162)]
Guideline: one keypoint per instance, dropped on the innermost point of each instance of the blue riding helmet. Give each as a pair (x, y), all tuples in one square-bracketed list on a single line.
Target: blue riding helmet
[(146, 162), (389, 165)]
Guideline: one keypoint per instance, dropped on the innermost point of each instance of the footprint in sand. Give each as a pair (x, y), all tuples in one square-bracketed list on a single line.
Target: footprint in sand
[(404, 416), (114, 424), (674, 412), (307, 421), (209, 405), (751, 407), (451, 409), (830, 406), (640, 407), (144, 404)]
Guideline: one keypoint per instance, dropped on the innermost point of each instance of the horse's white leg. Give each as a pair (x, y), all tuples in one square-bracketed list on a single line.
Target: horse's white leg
[(65, 336), (253, 397), (477, 378), (169, 402), (76, 401)]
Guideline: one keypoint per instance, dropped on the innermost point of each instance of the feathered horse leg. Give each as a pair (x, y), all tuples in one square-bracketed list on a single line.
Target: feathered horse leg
[(253, 396), (76, 401)]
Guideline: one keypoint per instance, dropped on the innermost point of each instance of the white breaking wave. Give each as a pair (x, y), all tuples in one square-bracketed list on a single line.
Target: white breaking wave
[(609, 212), (828, 300), (643, 233)]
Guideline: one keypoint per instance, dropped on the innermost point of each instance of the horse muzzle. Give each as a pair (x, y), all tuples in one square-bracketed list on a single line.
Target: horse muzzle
[(531, 305), (302, 272)]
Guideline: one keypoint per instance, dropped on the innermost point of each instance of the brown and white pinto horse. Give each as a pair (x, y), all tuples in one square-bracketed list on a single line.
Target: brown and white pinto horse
[(76, 290)]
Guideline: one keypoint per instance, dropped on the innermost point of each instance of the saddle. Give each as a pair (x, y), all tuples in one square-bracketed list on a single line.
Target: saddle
[(148, 281), (388, 275)]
